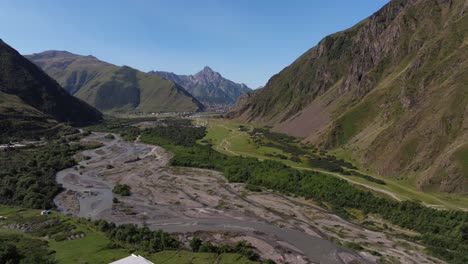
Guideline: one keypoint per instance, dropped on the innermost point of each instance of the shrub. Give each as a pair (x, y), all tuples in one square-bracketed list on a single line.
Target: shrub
[(121, 189), (109, 136)]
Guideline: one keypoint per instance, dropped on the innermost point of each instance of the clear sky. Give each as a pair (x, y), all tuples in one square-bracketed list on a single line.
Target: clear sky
[(245, 40)]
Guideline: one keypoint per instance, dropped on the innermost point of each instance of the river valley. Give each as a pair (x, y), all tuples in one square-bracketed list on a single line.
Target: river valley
[(187, 200)]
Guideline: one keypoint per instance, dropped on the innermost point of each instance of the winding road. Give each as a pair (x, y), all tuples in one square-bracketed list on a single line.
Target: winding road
[(224, 146)]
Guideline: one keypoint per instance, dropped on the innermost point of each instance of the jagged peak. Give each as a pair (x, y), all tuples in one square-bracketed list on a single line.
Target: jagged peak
[(208, 72), (207, 69)]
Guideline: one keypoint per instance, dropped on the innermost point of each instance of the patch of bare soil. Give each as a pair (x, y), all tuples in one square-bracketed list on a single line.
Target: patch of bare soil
[(70, 198), (310, 119)]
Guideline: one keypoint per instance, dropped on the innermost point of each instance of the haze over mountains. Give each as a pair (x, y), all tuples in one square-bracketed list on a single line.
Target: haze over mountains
[(32, 103), (390, 92), (208, 86), (112, 88)]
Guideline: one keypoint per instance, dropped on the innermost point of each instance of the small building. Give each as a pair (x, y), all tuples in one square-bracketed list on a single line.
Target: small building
[(46, 212), (132, 259)]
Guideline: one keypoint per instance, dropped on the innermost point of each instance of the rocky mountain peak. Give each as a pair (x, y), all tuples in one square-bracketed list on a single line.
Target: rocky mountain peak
[(207, 75), (207, 69), (208, 86)]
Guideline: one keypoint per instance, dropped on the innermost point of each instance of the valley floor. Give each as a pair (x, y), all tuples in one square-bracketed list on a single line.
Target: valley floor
[(181, 200), (93, 246), (227, 138)]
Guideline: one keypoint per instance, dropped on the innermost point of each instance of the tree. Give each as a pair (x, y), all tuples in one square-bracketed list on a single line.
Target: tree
[(195, 244), (9, 254), (464, 233), (121, 189)]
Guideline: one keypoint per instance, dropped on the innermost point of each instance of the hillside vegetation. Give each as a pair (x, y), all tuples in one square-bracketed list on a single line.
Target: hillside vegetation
[(27, 178), (389, 92), (112, 88), (19, 121), (32, 104)]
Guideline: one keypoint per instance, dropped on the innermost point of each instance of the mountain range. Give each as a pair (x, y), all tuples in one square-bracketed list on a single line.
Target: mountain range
[(32, 103), (389, 93), (112, 88), (208, 86)]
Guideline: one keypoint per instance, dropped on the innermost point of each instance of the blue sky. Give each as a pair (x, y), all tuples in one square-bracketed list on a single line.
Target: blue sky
[(245, 40)]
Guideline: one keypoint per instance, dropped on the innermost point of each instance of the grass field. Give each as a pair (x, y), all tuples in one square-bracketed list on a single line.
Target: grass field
[(228, 139), (185, 257), (94, 246)]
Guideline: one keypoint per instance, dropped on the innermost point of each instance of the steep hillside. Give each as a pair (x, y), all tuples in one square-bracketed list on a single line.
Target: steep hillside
[(208, 86), (111, 88), (31, 101), (18, 121), (391, 92)]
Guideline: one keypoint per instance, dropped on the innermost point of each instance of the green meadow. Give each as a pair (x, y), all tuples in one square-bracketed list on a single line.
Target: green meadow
[(227, 138)]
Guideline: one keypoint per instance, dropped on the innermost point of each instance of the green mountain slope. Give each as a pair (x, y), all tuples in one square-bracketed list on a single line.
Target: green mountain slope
[(390, 92), (31, 101), (111, 88), (18, 120), (208, 86)]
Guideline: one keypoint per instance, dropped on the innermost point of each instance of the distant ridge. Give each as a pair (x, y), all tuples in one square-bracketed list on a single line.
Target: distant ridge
[(112, 88)]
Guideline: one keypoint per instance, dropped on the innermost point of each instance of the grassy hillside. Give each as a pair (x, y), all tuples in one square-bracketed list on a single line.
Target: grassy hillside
[(19, 120), (23, 79), (111, 88), (390, 92), (32, 104)]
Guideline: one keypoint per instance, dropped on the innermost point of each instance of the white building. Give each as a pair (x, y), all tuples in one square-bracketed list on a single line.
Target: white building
[(132, 259), (46, 212)]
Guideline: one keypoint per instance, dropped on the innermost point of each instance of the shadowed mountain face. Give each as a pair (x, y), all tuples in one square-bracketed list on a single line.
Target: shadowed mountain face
[(111, 88), (390, 93), (30, 100), (208, 86)]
